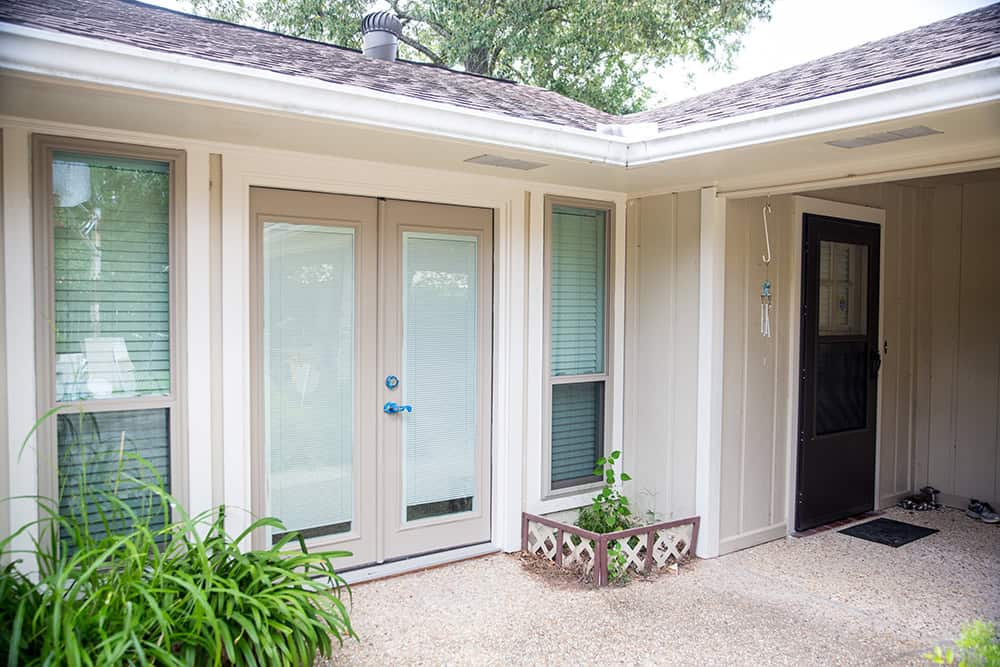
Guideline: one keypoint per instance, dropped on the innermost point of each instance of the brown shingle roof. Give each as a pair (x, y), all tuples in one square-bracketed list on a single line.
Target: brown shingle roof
[(954, 41), (150, 27), (958, 40)]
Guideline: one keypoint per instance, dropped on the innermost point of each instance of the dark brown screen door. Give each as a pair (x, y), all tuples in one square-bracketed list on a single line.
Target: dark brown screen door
[(839, 370)]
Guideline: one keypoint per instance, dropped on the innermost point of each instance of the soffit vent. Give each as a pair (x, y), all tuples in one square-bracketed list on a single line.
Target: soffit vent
[(885, 137), (505, 162)]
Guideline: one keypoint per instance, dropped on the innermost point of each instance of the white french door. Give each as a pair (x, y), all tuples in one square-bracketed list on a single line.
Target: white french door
[(372, 372)]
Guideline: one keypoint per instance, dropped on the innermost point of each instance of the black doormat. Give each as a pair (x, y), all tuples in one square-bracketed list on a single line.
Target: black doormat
[(889, 532)]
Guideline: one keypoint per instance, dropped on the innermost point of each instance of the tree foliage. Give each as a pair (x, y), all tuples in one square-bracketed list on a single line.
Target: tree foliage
[(595, 51)]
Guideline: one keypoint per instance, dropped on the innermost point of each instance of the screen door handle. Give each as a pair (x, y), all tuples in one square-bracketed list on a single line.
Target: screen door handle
[(392, 408), (876, 359)]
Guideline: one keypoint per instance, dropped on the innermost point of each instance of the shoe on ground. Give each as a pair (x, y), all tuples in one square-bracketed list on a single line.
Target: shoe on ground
[(982, 511)]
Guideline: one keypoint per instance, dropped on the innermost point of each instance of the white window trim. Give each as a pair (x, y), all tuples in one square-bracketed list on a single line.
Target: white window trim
[(609, 208), (43, 146)]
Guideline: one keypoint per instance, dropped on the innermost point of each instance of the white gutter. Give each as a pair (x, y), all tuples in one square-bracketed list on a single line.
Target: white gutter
[(54, 54)]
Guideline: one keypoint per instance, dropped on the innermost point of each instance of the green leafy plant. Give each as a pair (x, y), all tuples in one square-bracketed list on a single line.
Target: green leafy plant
[(610, 509), (135, 589), (978, 646)]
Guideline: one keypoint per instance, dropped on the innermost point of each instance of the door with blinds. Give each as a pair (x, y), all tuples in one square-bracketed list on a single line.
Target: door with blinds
[(436, 349), (373, 376)]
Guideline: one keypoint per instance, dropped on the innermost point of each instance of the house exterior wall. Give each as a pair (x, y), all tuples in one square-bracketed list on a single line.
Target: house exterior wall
[(661, 371), (219, 177), (957, 364)]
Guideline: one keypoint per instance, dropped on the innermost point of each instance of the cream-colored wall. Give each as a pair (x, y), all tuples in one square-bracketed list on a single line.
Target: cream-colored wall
[(755, 372), (662, 352), (957, 365)]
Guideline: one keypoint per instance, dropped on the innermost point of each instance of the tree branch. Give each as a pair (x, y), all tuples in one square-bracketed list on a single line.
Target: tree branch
[(435, 58), (406, 17)]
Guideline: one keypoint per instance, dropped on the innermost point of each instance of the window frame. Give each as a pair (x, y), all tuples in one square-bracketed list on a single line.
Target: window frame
[(43, 148), (578, 485)]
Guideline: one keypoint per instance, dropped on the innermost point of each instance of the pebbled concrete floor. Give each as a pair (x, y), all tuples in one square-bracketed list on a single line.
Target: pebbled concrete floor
[(826, 599)]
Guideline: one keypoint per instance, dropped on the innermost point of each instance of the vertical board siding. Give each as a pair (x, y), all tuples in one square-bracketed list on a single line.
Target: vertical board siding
[(922, 338), (755, 371), (978, 345), (662, 330), (945, 260)]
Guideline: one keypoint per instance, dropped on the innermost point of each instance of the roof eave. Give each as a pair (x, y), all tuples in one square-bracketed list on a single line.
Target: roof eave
[(59, 55), (48, 53)]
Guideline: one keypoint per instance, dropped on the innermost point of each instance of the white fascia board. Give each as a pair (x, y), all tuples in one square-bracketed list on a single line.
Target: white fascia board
[(965, 85), (104, 63), (99, 62)]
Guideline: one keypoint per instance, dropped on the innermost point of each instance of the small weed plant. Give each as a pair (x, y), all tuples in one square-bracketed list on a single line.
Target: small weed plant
[(109, 584), (608, 512), (977, 646)]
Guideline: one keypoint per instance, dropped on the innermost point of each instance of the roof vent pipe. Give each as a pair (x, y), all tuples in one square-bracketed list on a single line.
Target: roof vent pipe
[(380, 35)]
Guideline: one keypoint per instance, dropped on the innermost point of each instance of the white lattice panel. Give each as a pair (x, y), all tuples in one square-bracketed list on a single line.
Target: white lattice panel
[(672, 545), (576, 555), (635, 555), (542, 540)]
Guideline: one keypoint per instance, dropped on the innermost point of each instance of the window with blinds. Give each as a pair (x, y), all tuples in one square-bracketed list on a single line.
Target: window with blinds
[(578, 288), (109, 272)]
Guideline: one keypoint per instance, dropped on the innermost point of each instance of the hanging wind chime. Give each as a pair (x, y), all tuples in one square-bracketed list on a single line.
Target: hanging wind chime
[(765, 287)]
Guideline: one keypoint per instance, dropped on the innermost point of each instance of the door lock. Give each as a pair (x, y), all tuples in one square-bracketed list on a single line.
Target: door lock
[(392, 408)]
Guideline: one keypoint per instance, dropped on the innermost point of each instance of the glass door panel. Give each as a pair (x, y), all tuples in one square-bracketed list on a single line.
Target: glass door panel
[(309, 306), (314, 413), (440, 350)]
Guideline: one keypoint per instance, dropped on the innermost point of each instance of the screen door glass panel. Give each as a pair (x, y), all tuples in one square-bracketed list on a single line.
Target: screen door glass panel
[(841, 386), (439, 365), (843, 289), (309, 349)]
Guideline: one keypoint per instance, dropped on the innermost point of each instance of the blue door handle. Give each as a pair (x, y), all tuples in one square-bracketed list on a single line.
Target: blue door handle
[(392, 408)]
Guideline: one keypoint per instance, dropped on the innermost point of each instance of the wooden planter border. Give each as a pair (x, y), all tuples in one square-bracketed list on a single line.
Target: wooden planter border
[(601, 540)]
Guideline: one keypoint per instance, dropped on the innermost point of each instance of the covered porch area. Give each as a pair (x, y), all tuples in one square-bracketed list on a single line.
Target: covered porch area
[(787, 431)]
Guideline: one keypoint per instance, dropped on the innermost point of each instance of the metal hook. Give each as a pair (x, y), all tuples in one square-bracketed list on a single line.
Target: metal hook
[(767, 235)]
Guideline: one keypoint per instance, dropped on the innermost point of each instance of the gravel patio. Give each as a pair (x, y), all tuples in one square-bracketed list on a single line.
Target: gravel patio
[(820, 600)]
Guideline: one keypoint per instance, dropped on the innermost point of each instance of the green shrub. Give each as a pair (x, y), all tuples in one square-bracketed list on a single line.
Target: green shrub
[(164, 593), (978, 646)]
